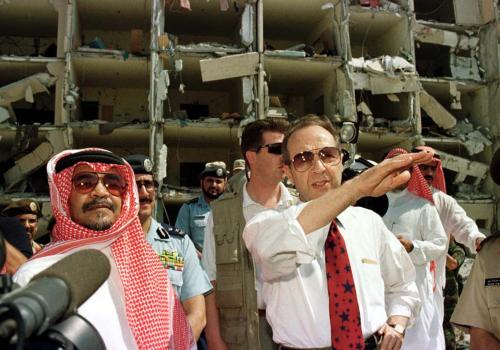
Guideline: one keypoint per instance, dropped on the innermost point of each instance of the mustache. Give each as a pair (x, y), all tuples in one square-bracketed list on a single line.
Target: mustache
[(145, 200), (98, 202), (428, 177)]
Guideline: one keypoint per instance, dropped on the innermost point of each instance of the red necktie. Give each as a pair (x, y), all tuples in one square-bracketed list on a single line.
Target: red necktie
[(344, 311)]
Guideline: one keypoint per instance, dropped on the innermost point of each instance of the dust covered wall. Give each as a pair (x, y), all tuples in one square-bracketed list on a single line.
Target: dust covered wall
[(178, 155), (128, 104), (117, 40)]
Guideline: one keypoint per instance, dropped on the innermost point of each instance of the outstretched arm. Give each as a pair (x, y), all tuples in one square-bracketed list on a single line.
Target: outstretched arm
[(382, 178)]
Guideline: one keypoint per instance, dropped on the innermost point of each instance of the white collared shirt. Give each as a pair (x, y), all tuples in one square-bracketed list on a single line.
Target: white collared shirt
[(295, 286), (250, 209)]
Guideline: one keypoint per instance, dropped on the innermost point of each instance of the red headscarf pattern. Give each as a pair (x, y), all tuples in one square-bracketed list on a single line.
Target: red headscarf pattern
[(154, 313), (417, 184), (438, 182)]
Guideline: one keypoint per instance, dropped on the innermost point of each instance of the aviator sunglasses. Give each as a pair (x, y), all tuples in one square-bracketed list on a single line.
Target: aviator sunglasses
[(273, 148), (149, 185), (304, 160), (86, 182)]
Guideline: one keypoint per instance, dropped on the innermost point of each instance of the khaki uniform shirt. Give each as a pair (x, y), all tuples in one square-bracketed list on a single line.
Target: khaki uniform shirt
[(479, 304)]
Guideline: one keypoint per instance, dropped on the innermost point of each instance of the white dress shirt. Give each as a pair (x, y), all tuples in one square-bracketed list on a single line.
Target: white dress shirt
[(105, 309), (250, 209), (295, 286), (417, 220)]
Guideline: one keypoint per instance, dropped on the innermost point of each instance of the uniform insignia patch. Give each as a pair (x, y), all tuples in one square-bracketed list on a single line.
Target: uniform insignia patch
[(488, 282)]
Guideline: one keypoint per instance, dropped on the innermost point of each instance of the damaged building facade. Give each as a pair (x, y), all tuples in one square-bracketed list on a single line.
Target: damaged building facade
[(179, 80)]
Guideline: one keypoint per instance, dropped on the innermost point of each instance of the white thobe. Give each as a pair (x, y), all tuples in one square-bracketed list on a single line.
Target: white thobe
[(457, 224), (105, 309), (295, 286), (417, 220)]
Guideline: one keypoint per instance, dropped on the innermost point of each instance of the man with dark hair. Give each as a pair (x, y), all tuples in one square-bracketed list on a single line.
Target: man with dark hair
[(192, 217), (333, 275), (28, 212), (95, 206), (226, 261), (174, 248)]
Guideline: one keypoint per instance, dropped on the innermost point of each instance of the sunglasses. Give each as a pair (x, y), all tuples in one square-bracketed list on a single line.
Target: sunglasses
[(86, 182), (149, 185), (305, 160), (273, 148)]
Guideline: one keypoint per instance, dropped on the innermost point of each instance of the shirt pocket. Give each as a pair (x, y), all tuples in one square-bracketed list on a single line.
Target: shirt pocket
[(175, 278), (200, 221), (370, 271)]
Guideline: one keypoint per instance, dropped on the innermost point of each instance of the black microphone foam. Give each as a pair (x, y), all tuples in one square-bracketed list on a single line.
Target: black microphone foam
[(83, 272)]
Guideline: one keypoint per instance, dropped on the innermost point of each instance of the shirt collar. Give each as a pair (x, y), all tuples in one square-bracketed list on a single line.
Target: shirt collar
[(286, 198)]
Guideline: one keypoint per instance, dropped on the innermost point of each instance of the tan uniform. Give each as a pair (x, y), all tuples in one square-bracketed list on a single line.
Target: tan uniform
[(479, 304)]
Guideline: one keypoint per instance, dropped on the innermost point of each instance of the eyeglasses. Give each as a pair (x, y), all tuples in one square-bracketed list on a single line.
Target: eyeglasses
[(305, 160), (149, 185), (273, 148), (86, 182), (425, 167)]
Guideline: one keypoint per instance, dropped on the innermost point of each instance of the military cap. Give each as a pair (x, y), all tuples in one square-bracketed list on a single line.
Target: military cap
[(23, 206), (215, 169), (239, 164), (94, 156), (140, 163)]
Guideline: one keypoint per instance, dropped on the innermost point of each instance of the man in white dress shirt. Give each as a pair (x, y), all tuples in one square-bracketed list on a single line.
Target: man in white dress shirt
[(289, 248), (412, 217)]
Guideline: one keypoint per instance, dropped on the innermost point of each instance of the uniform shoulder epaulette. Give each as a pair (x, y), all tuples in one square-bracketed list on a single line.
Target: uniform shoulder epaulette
[(169, 230)]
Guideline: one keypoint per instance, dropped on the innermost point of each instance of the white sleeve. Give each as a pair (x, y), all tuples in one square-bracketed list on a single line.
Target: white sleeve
[(277, 242), (208, 255), (398, 273), (434, 240), (456, 222)]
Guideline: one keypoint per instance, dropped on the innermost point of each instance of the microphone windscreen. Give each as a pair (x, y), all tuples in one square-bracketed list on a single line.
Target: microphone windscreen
[(83, 272)]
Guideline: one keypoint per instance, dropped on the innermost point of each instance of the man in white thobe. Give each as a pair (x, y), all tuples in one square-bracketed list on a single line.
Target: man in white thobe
[(412, 217)]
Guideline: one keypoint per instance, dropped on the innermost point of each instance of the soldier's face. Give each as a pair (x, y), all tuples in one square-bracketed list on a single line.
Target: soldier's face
[(213, 187), (30, 223), (147, 194)]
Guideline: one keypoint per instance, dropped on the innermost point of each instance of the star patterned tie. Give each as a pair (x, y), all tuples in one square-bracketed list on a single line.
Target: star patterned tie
[(343, 304)]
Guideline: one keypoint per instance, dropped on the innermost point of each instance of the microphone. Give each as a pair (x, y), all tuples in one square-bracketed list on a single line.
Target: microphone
[(53, 294)]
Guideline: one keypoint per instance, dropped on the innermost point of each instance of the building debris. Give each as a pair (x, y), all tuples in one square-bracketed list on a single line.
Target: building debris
[(232, 66), (475, 139), (464, 168), (25, 89), (436, 111)]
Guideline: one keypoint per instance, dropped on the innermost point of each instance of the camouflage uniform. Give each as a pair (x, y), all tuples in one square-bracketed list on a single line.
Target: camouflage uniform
[(451, 292)]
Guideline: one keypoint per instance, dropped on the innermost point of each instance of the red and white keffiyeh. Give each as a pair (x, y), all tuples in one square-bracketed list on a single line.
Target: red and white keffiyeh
[(439, 181), (154, 313), (417, 184)]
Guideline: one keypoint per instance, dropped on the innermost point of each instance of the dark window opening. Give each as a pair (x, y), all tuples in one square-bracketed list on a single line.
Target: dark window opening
[(195, 111), (433, 60), (435, 10), (190, 174), (90, 110)]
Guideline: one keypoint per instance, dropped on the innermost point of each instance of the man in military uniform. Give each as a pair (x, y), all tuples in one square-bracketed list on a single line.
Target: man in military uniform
[(192, 217), (28, 212), (454, 259), (175, 250)]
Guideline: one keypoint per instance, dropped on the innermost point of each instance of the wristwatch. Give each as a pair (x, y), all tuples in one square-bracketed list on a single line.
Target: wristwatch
[(398, 328)]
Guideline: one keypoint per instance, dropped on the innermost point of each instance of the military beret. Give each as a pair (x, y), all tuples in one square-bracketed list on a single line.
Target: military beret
[(140, 163), (94, 156), (215, 169), (23, 206)]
